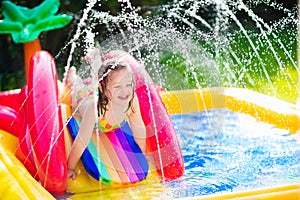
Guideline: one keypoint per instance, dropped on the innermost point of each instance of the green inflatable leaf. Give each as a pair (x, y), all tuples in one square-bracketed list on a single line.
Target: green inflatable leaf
[(25, 24)]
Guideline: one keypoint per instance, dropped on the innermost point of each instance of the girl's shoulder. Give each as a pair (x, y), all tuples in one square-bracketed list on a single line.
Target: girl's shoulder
[(135, 101), (135, 107)]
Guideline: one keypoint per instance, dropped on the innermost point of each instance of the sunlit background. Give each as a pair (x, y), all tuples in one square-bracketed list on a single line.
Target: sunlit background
[(254, 49)]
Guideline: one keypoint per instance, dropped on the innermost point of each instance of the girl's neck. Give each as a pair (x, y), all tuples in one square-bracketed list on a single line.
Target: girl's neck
[(115, 114)]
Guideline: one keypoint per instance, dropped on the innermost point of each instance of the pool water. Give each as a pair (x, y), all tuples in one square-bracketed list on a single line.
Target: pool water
[(225, 151)]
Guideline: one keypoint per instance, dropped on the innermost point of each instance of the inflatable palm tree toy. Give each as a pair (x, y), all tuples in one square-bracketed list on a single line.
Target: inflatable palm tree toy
[(25, 24)]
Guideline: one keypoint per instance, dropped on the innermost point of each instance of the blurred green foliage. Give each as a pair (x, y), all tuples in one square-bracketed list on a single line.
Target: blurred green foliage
[(283, 77), (274, 72)]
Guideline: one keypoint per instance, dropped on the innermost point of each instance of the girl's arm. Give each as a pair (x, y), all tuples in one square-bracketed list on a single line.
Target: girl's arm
[(88, 120), (137, 125)]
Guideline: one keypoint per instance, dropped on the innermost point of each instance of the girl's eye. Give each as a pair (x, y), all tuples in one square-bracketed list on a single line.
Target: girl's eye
[(129, 85)]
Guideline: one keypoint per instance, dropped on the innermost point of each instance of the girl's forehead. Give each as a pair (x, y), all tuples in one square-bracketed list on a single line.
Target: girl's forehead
[(124, 74)]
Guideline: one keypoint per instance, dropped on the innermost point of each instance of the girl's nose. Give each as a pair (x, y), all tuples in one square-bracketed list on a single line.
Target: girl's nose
[(126, 89)]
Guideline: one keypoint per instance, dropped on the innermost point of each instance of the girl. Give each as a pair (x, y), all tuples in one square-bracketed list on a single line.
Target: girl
[(116, 104)]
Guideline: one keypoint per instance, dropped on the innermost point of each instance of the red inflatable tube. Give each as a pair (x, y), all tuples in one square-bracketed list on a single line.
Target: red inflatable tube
[(9, 98), (162, 142), (23, 150), (11, 115), (45, 123), (10, 121)]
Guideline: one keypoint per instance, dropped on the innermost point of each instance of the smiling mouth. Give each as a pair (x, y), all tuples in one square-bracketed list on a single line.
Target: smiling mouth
[(123, 97)]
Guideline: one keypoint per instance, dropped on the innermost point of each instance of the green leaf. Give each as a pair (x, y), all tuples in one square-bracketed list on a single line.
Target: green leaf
[(26, 24)]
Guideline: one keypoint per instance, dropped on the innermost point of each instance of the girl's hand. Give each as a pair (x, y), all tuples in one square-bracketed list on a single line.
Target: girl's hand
[(94, 58), (70, 77), (71, 174)]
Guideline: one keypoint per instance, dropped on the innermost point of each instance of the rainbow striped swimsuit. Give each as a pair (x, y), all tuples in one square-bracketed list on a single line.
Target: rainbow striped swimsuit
[(112, 156)]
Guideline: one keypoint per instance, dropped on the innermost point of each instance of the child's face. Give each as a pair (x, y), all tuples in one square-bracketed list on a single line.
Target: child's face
[(120, 87)]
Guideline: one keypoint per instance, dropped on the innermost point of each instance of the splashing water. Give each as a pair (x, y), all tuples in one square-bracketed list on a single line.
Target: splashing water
[(187, 44), (202, 44)]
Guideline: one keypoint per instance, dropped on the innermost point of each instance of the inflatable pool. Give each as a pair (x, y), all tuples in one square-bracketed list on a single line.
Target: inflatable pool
[(34, 140), (19, 183)]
